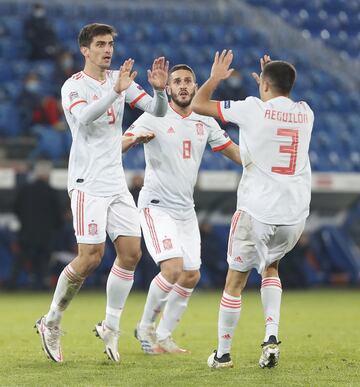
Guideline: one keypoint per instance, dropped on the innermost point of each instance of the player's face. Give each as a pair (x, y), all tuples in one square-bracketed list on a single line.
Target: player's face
[(100, 51), (181, 87)]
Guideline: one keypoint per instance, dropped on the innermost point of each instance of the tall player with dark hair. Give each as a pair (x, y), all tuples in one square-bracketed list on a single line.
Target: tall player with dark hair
[(93, 102)]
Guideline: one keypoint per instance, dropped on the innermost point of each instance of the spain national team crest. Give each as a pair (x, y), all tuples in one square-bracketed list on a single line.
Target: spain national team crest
[(93, 229), (167, 244), (200, 129)]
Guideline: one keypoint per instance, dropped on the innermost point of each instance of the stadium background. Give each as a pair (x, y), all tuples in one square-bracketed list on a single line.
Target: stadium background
[(322, 39)]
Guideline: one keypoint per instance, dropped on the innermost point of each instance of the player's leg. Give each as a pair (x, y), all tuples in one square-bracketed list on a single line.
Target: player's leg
[(241, 257), (178, 299), (161, 238), (89, 224), (123, 227), (175, 307), (282, 240)]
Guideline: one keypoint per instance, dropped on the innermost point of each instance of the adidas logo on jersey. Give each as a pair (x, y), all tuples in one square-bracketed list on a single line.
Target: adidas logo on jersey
[(171, 130)]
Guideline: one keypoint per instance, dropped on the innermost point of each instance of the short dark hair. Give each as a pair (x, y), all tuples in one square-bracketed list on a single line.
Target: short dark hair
[(182, 66), (89, 31), (281, 75)]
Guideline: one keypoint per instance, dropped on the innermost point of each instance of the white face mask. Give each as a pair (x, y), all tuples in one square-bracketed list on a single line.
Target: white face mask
[(40, 12), (234, 82), (32, 86)]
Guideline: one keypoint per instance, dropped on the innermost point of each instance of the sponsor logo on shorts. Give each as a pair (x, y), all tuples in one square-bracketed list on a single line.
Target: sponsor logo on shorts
[(93, 229), (167, 244), (227, 104), (238, 259)]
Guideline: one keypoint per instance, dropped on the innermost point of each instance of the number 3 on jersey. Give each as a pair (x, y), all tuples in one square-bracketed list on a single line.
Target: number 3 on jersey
[(291, 149), (187, 149), (111, 115)]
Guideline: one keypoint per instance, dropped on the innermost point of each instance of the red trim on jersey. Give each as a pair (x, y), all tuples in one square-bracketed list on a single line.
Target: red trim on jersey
[(218, 105), (222, 147), (129, 134), (150, 223), (97, 80), (137, 99), (75, 103), (234, 222), (181, 115)]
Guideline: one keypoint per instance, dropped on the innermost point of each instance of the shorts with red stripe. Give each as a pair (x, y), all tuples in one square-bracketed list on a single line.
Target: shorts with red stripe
[(94, 216), (253, 244), (168, 238)]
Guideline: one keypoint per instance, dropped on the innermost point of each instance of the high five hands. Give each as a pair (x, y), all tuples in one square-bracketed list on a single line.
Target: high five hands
[(220, 68), (265, 59)]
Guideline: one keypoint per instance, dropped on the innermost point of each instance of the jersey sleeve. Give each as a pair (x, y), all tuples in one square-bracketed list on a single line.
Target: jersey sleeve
[(218, 139), (141, 124), (235, 111), (72, 94), (135, 95)]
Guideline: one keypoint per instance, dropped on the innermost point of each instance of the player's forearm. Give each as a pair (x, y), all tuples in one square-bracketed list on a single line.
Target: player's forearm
[(158, 105), (91, 112), (127, 143), (233, 153), (202, 103)]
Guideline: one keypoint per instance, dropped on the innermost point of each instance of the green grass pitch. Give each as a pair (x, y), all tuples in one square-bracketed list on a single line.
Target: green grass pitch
[(320, 331)]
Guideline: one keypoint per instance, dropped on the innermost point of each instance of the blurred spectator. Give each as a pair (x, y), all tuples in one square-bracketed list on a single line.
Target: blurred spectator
[(38, 209), (65, 67), (232, 88), (213, 256), (39, 34), (36, 107)]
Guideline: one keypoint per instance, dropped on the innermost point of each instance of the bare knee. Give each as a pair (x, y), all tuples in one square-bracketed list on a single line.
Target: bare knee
[(171, 269), (235, 282), (272, 270), (189, 279), (88, 259), (128, 252)]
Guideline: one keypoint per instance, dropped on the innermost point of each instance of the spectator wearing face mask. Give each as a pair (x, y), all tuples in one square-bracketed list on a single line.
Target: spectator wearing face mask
[(65, 67), (36, 107), (39, 34)]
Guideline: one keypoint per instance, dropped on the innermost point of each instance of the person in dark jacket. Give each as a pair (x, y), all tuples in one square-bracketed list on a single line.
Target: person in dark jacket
[(38, 209)]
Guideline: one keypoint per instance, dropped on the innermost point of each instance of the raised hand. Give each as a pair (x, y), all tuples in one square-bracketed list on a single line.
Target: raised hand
[(220, 68), (158, 74), (265, 59), (126, 76)]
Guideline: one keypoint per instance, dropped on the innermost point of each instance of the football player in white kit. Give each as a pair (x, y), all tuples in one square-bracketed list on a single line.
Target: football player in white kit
[(273, 195), (166, 204), (93, 102)]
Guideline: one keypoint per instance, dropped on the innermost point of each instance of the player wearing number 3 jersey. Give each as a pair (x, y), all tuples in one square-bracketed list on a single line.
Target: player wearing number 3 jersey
[(168, 218), (273, 195), (101, 203)]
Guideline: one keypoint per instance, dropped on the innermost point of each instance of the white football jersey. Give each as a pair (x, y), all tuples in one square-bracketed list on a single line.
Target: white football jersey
[(275, 187), (173, 158), (95, 163)]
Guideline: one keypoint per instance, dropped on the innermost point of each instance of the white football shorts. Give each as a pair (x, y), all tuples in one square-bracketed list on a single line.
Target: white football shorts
[(253, 244), (167, 238), (94, 216)]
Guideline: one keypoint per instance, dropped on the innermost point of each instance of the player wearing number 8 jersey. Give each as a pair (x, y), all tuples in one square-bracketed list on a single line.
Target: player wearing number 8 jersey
[(93, 102), (273, 195), (168, 218)]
